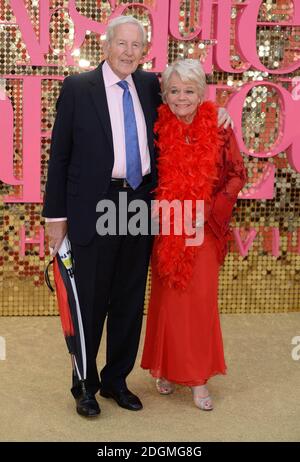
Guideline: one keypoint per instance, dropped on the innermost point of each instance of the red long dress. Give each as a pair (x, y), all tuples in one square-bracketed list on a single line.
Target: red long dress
[(183, 340)]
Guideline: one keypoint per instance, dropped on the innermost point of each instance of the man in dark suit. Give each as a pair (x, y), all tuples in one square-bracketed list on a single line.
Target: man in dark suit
[(102, 144), (88, 162)]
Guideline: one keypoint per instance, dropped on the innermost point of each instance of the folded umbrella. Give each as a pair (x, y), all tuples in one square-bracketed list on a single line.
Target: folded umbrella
[(68, 305)]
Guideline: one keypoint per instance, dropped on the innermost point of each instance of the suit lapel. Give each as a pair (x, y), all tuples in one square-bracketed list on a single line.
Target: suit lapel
[(98, 94)]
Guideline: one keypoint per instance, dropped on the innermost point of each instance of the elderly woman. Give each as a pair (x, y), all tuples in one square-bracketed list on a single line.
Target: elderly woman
[(197, 160)]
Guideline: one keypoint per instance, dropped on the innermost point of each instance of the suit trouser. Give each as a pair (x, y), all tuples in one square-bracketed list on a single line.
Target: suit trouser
[(111, 275)]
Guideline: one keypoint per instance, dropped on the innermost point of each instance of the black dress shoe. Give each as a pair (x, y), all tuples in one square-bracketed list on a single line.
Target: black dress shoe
[(124, 398), (87, 405)]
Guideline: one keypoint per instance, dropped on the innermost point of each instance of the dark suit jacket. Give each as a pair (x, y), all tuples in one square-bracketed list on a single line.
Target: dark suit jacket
[(82, 156)]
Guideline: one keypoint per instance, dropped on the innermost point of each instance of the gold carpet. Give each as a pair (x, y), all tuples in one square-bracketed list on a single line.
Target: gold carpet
[(258, 399)]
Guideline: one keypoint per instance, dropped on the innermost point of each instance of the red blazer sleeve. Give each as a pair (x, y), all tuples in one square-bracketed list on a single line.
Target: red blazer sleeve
[(232, 178)]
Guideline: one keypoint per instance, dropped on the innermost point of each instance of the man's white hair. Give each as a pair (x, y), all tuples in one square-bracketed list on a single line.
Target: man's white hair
[(114, 23), (188, 70)]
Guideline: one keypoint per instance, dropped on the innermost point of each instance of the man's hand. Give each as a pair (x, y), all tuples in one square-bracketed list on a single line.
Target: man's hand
[(224, 118), (56, 231)]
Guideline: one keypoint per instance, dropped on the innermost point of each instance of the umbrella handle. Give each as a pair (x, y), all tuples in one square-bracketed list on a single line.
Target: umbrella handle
[(47, 278)]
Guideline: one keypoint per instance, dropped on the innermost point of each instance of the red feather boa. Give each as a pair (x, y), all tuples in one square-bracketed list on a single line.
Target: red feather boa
[(187, 170)]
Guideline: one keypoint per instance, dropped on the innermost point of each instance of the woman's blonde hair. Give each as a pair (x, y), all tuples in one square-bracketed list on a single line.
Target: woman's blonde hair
[(188, 70)]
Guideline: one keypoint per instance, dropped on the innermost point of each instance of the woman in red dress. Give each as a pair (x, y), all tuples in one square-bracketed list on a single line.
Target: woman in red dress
[(197, 160)]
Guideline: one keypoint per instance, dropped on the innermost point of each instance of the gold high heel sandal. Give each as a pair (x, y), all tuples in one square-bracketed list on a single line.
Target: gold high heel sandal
[(164, 387)]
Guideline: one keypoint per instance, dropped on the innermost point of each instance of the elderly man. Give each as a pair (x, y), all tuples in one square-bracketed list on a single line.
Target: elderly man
[(102, 144)]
